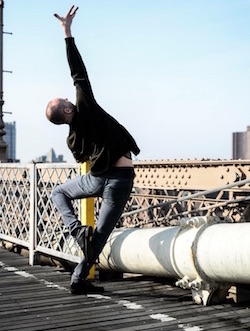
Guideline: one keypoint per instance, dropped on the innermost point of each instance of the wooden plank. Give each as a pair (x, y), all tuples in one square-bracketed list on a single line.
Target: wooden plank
[(137, 303)]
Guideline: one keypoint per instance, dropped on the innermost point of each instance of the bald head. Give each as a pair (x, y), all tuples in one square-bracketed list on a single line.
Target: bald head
[(60, 111)]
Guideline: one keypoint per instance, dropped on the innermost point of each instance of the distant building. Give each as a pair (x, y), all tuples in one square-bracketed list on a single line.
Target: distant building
[(49, 158), (10, 139), (241, 145)]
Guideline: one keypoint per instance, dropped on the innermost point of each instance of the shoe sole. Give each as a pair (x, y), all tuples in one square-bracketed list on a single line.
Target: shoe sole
[(85, 289), (74, 292)]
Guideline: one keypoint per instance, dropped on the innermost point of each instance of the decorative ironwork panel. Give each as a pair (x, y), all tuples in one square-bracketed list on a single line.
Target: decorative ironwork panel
[(191, 174), (169, 190), (15, 202), (51, 233)]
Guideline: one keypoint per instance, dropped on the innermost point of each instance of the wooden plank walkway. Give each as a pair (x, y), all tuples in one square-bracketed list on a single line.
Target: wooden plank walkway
[(34, 298)]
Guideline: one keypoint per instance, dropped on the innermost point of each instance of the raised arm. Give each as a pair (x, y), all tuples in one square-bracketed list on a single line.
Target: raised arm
[(66, 21), (77, 67)]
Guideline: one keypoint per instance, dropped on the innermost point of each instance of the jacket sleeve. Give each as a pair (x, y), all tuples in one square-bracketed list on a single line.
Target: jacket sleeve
[(78, 69)]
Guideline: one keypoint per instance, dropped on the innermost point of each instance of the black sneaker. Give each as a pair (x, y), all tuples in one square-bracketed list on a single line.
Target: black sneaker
[(85, 287), (84, 240)]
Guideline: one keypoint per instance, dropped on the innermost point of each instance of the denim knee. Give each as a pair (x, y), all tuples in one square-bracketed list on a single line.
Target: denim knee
[(54, 193)]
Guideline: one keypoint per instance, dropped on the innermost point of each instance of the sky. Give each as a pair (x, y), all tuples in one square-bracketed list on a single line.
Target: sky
[(175, 73)]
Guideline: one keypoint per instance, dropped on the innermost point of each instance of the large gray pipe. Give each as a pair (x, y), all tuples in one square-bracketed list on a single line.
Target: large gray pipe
[(199, 250)]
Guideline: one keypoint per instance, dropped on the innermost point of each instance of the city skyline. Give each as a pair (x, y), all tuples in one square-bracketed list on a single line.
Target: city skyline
[(240, 144)]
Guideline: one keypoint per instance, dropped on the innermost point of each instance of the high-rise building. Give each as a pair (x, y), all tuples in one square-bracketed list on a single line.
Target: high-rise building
[(10, 139), (49, 158), (241, 145)]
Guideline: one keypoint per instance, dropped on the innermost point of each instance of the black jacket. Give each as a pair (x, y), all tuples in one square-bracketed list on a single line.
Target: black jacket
[(94, 135)]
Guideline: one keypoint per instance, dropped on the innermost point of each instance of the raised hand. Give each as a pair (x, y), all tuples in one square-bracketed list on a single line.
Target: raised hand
[(66, 20)]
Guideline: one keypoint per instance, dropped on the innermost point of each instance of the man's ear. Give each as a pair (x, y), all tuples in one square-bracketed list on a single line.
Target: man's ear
[(68, 110)]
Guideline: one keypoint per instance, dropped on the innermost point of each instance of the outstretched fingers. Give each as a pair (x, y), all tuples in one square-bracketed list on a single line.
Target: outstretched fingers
[(72, 11), (70, 14)]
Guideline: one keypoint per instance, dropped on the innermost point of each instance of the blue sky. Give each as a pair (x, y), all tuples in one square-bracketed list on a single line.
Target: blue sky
[(175, 73)]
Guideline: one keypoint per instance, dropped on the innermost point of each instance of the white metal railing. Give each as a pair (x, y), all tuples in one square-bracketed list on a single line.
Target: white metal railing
[(28, 216), (15, 202)]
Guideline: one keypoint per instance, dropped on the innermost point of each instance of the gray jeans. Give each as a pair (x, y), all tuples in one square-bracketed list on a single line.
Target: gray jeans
[(114, 187)]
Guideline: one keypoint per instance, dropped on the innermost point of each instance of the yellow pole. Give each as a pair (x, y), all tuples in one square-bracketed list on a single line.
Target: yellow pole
[(87, 211)]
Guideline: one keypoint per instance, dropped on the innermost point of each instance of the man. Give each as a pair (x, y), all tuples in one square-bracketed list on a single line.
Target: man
[(95, 136)]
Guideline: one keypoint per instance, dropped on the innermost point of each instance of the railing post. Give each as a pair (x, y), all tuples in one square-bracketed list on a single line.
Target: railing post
[(87, 211), (32, 225)]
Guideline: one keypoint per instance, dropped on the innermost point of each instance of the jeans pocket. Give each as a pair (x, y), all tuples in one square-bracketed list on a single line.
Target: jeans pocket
[(92, 185)]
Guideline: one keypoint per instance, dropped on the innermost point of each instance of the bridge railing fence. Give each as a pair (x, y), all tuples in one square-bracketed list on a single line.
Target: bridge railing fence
[(28, 217)]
